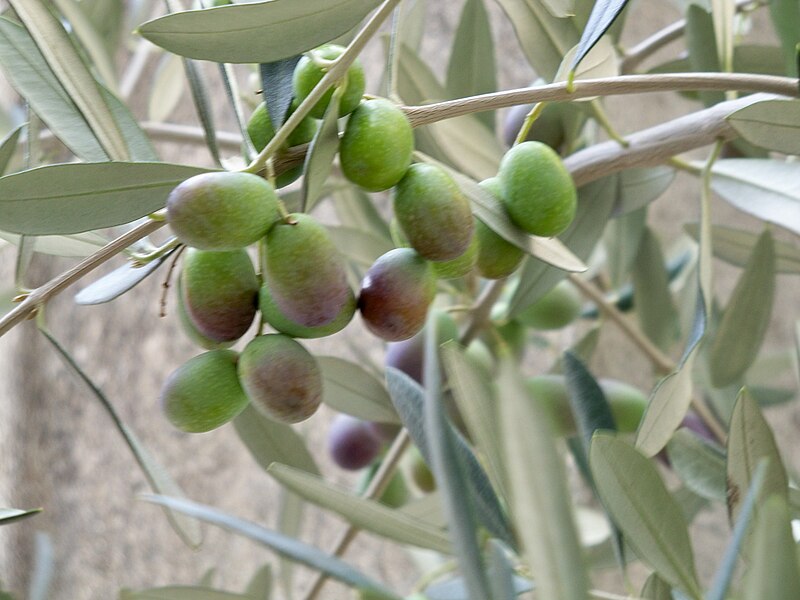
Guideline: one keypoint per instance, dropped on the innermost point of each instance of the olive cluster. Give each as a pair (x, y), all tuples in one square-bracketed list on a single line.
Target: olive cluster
[(301, 289)]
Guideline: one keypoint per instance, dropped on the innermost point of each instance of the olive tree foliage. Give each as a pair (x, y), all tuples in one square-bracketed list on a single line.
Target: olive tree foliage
[(502, 517)]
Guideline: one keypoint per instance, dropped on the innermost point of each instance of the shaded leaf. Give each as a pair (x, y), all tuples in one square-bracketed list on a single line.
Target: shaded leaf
[(286, 546), (786, 20), (41, 579), (643, 508), (703, 49), (119, 281), (256, 32), (500, 573), (656, 588), (621, 239), (471, 70), (8, 145), (354, 207), (539, 496), (78, 244), (600, 62), (73, 198), (744, 322), (350, 389), (700, 466), (655, 310), (476, 402), (369, 515), (270, 441), (735, 246), (750, 440), (450, 470), (407, 397), (202, 104), (601, 18), (638, 187), (773, 571), (360, 246), (771, 182), (167, 89), (321, 153), (453, 589), (260, 585), (12, 515), (276, 85), (181, 592), (66, 64)]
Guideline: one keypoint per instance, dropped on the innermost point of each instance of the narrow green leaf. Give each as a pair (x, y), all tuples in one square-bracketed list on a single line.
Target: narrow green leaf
[(746, 318), (539, 496), (476, 402), (260, 585), (72, 198), (621, 239), (773, 571), (360, 246), (587, 400), (450, 470), (638, 187), (700, 466), (603, 15), (286, 546), (75, 245), (167, 89), (641, 505), (276, 85), (270, 441), (601, 61), (771, 124), (544, 38), (672, 395), (749, 441), (321, 153), (69, 69), (500, 573), (12, 515), (139, 145), (369, 515), (595, 202), (154, 472), (471, 70), (290, 521), (354, 207), (116, 283), (771, 182), (8, 146), (350, 389), (30, 75), (454, 589), (41, 579), (202, 104), (724, 13), (655, 310), (786, 20), (407, 397), (735, 246), (656, 588), (727, 566), (256, 32), (703, 48)]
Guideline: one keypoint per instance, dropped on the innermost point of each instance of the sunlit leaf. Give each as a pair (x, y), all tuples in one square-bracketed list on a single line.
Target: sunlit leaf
[(119, 281), (539, 496), (369, 515), (286, 546), (500, 573), (169, 85), (638, 187), (740, 180), (348, 388), (66, 64), (255, 32), (699, 465), (270, 441), (771, 124), (601, 18), (641, 505), (78, 244), (749, 441), (8, 145), (72, 198), (744, 322)]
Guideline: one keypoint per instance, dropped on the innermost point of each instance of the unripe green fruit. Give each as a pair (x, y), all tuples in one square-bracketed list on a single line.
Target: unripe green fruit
[(627, 403), (281, 378), (547, 128), (273, 315), (556, 309), (396, 493), (204, 393), (537, 189), (261, 131), (480, 355), (222, 210), (497, 257), (305, 273), (191, 330), (376, 148), (307, 75), (421, 474), (219, 291), (396, 293), (433, 213), (459, 266)]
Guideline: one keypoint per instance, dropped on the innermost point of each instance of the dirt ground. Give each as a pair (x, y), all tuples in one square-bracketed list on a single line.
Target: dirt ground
[(60, 452)]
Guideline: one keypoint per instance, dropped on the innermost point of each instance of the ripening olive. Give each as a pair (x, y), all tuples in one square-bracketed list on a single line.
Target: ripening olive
[(537, 189), (352, 442), (281, 378), (281, 323), (222, 210), (556, 309), (204, 393), (408, 355)]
